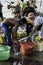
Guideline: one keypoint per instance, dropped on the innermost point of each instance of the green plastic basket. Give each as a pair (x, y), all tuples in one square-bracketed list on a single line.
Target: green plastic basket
[(4, 52)]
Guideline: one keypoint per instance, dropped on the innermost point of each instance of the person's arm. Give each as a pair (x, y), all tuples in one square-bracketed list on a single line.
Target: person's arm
[(33, 30), (9, 21)]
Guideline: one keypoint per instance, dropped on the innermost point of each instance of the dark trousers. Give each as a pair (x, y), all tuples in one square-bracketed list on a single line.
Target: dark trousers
[(6, 31)]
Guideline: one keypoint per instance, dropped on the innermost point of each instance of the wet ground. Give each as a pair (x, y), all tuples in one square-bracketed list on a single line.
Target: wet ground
[(34, 59)]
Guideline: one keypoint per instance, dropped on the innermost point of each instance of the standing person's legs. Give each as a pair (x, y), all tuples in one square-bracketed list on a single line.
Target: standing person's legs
[(6, 31)]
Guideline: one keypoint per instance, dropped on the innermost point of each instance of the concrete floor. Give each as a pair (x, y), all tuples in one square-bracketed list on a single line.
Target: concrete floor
[(35, 59)]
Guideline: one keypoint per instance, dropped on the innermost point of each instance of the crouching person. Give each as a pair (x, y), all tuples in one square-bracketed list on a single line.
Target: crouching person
[(6, 25)]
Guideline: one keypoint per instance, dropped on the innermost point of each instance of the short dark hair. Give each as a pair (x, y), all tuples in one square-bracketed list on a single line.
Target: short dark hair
[(28, 10), (31, 9)]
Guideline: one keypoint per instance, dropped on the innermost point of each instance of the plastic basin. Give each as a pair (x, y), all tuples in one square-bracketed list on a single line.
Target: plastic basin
[(4, 52)]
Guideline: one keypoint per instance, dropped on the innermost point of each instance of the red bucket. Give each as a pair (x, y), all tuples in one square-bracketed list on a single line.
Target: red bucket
[(27, 47)]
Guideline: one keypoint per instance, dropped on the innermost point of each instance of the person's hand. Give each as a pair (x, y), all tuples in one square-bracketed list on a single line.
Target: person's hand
[(30, 35), (16, 24), (15, 41)]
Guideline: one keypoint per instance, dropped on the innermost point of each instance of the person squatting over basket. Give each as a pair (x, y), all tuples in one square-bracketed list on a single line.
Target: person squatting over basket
[(37, 22)]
